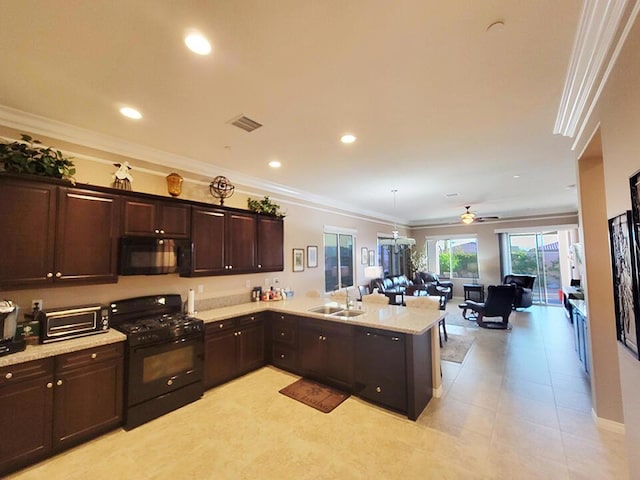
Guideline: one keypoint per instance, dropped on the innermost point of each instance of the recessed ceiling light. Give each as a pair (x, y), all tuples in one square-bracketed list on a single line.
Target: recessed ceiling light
[(451, 195), (131, 113), (275, 164), (197, 43), (516, 176), (348, 138)]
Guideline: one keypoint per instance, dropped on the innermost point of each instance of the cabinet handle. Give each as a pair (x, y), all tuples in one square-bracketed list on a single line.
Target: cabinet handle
[(50, 275), (49, 385), (221, 325), (226, 267), (58, 274), (235, 334), (395, 339), (259, 266), (253, 318), (282, 355), (9, 376), (169, 382), (94, 355), (156, 231), (378, 389), (230, 267), (320, 337), (59, 382), (282, 334), (162, 232)]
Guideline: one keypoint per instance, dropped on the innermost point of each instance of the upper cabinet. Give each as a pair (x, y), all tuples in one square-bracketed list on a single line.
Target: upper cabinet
[(223, 241), (56, 234), (270, 244), (143, 217)]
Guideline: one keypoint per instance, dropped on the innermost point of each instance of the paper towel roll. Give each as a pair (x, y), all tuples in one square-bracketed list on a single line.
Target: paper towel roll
[(191, 302)]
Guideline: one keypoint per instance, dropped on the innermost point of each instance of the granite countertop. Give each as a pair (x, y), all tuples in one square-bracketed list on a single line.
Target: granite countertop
[(414, 321), (37, 352), (579, 305)]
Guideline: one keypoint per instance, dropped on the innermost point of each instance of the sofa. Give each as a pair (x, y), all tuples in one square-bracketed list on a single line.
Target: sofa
[(434, 285), (398, 284), (524, 289)]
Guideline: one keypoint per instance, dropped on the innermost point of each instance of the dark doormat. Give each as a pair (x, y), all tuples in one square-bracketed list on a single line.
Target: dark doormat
[(315, 394)]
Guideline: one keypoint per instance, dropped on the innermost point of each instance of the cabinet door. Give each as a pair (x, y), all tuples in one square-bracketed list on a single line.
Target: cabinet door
[(270, 244), (251, 346), (140, 217), (380, 369), (221, 357), (27, 216), (174, 220), (241, 242), (207, 235), (339, 359), (88, 401), (87, 235), (311, 352)]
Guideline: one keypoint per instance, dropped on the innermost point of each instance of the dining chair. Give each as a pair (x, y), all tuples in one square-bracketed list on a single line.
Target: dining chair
[(431, 303), (375, 298)]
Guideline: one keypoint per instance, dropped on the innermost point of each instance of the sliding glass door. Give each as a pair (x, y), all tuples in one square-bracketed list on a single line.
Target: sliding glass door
[(537, 254)]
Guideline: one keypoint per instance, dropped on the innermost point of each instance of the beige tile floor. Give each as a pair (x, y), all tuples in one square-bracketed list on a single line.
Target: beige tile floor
[(517, 408)]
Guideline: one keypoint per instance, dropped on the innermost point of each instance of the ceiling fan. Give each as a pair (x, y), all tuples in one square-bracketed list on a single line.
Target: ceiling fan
[(468, 217)]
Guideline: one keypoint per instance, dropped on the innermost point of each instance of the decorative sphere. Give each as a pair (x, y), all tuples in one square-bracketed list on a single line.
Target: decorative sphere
[(221, 188)]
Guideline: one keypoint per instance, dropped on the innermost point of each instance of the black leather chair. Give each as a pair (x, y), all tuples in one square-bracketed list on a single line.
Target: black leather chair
[(524, 289), (498, 304), (434, 285)]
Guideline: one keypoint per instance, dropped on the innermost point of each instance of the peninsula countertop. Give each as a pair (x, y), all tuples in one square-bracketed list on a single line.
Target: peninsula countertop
[(413, 321)]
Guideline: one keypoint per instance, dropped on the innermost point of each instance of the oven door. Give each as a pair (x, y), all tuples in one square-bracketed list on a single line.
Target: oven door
[(161, 368)]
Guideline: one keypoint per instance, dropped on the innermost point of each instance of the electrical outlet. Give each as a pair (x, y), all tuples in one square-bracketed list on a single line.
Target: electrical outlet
[(247, 284), (200, 288), (276, 281), (267, 282), (37, 303)]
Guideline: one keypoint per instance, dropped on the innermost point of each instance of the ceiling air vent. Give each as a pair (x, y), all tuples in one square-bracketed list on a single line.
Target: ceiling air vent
[(245, 123)]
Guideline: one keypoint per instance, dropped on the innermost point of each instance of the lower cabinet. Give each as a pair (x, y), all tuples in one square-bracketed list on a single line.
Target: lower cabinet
[(48, 405), (233, 347), (284, 341), (325, 352), (380, 367), (581, 332)]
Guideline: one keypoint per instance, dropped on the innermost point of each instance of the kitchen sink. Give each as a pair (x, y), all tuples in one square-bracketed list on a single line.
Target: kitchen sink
[(348, 313), (326, 309)]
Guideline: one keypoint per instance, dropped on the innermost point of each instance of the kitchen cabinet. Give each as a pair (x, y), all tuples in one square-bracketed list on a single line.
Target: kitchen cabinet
[(233, 347), (56, 234), (270, 244), (325, 352), (26, 408), (284, 341), (88, 394), (581, 335), (146, 217), (380, 369), (224, 242), (51, 404)]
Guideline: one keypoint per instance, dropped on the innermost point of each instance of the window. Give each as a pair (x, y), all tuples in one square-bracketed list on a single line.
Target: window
[(338, 261), (394, 259), (453, 257)]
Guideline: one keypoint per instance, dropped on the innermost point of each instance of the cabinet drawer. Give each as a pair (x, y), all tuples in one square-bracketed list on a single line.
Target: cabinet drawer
[(285, 357), (249, 320), (26, 371), (88, 356), (220, 326), (284, 330)]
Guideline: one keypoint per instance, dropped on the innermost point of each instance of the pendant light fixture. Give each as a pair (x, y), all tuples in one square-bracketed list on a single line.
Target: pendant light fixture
[(396, 240), (467, 217)]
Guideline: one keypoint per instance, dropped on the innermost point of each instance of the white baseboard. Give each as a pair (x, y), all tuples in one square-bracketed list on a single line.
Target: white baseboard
[(608, 425), (437, 392)]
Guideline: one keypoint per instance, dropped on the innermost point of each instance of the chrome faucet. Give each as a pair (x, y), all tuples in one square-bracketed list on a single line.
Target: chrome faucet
[(349, 304)]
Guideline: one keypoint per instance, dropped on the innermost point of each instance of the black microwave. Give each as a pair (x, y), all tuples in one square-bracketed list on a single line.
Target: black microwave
[(154, 256)]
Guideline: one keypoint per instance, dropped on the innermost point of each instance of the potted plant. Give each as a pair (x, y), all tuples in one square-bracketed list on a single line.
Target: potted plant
[(264, 206), (30, 157)]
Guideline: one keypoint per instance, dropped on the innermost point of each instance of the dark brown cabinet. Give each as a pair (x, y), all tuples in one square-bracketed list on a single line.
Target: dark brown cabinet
[(56, 234), (223, 242), (143, 217), (325, 352), (26, 407), (270, 244), (51, 404), (380, 369), (233, 347), (88, 394), (284, 341)]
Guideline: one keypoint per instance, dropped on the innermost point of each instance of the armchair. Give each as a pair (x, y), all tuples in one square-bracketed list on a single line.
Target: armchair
[(524, 289), (434, 285), (498, 304)]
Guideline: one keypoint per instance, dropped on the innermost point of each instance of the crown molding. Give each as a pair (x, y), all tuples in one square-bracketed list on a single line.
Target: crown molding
[(603, 24), (24, 121)]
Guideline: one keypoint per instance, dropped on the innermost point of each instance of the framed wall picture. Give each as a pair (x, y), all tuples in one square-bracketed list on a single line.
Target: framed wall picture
[(364, 256), (372, 258), (625, 280), (298, 260), (312, 256)]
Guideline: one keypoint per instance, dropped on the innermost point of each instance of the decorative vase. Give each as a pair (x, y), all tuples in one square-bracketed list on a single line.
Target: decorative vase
[(174, 184)]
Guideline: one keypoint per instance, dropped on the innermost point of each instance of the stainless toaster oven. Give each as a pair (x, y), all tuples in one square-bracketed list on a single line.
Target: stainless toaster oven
[(65, 323)]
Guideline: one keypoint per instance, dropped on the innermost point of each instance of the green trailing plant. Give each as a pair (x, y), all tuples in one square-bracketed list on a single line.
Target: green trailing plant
[(30, 157), (264, 206)]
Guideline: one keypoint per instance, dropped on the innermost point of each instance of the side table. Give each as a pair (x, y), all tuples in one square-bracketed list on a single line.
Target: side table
[(474, 291)]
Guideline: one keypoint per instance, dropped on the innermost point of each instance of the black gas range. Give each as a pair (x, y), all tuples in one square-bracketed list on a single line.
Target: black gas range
[(164, 361)]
